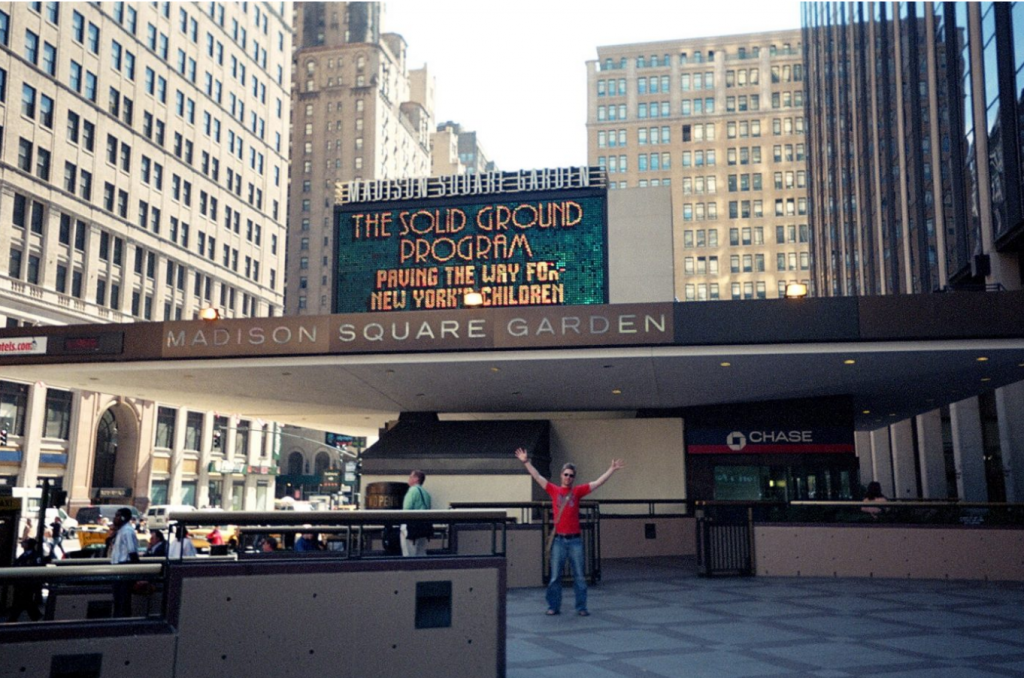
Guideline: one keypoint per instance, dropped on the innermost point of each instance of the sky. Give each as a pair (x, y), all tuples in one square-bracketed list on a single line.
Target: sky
[(515, 72)]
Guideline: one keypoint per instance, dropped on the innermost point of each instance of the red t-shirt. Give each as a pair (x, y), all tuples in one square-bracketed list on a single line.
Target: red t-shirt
[(569, 518)]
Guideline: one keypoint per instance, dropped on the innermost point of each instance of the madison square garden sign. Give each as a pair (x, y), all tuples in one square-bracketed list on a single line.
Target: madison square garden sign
[(528, 238)]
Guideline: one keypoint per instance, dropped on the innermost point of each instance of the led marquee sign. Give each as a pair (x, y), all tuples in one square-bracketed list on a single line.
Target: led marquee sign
[(519, 239)]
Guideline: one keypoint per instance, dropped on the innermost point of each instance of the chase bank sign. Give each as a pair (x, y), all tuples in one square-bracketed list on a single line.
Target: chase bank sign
[(767, 440)]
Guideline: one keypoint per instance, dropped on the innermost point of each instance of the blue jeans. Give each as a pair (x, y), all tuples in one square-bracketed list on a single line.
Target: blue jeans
[(571, 548)]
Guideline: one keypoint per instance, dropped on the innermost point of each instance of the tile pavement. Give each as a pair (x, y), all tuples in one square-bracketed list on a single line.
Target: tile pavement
[(656, 617)]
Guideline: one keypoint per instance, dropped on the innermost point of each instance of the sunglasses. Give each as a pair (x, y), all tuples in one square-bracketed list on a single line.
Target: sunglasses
[(570, 475)]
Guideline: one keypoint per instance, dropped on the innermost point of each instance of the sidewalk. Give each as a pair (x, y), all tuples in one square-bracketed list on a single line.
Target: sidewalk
[(655, 617)]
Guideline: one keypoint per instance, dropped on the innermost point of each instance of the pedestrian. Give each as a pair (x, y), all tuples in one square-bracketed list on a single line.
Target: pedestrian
[(157, 544), (567, 542), (873, 494), (27, 596), (269, 545), (124, 548), (415, 535), (215, 537), (307, 541), (180, 547), (56, 531), (26, 532)]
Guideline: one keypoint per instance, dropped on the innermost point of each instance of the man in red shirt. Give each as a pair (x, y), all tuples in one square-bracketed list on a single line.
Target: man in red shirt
[(567, 543)]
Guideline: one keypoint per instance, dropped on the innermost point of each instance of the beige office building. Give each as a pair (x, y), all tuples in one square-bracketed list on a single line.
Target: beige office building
[(720, 121), (144, 177), (359, 113)]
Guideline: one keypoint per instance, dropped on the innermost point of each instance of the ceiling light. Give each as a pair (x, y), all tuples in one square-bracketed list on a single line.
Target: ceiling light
[(986, 378), (616, 391), (866, 412), (849, 361), (495, 369), (726, 364), (982, 359)]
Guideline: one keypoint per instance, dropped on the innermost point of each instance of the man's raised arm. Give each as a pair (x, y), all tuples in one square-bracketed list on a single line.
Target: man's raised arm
[(616, 465), (523, 457)]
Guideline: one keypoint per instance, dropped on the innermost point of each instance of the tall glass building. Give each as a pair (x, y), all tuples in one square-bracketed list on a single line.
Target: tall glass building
[(915, 148)]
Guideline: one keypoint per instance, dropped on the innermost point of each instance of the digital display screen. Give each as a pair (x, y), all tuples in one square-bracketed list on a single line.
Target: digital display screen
[(545, 249)]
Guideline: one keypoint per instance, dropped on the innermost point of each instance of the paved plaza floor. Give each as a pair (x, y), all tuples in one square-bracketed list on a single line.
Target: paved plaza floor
[(656, 617)]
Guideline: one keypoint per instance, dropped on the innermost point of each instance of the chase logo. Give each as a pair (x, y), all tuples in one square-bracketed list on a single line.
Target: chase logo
[(736, 441)]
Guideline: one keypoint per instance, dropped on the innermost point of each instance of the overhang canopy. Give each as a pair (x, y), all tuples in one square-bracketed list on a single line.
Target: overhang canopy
[(894, 356)]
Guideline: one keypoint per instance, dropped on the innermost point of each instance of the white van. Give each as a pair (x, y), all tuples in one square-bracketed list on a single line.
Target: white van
[(156, 516)]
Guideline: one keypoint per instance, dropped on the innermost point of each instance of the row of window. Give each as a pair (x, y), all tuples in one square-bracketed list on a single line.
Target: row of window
[(166, 423), (14, 408), (706, 158), (743, 209), (747, 235), (747, 290), (108, 292), (747, 263)]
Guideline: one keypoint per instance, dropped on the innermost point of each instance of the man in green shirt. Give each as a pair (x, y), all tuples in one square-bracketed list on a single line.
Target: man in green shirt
[(416, 499)]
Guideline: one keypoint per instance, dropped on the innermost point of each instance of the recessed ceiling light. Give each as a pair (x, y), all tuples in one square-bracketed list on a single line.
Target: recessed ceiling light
[(495, 369), (616, 391), (866, 412), (982, 359), (726, 364), (986, 378), (849, 361), (892, 414)]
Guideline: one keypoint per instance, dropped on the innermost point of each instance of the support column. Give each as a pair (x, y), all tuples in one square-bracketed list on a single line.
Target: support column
[(32, 438), (861, 443), (930, 455), (904, 473), (968, 450), (1010, 410), (881, 460), (177, 457), (203, 480)]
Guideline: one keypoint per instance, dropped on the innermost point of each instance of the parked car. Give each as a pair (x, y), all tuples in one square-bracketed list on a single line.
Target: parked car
[(90, 515), (156, 516)]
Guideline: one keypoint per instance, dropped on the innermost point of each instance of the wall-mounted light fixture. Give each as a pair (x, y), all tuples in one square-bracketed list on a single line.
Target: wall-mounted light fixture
[(209, 313), (796, 291)]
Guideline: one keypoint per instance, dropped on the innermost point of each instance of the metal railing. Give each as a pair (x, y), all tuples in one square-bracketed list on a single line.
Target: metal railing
[(542, 513), (79, 590), (906, 512)]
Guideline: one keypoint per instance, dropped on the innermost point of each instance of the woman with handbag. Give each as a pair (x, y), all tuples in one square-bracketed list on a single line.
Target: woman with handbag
[(567, 543)]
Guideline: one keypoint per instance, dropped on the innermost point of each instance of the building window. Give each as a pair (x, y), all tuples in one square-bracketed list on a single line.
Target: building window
[(165, 427), (58, 414)]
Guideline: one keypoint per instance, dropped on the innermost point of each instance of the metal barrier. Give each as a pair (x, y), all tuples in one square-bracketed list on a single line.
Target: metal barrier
[(725, 541), (532, 512)]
